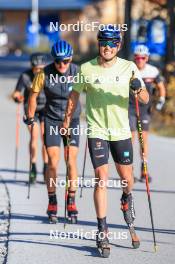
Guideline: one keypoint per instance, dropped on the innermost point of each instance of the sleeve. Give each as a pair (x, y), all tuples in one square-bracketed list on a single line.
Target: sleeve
[(79, 83), (38, 82), (20, 84), (159, 78), (137, 74)]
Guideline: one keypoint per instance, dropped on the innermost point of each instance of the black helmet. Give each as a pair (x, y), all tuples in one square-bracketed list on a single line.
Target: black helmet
[(38, 58), (109, 32)]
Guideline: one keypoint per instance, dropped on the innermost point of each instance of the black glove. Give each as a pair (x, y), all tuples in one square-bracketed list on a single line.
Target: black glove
[(135, 84), (28, 121), (16, 99)]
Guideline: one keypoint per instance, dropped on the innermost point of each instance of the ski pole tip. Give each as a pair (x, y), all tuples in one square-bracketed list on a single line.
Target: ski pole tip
[(155, 248)]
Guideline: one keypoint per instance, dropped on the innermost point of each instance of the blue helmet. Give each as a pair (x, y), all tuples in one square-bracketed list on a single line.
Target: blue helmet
[(61, 50), (109, 32)]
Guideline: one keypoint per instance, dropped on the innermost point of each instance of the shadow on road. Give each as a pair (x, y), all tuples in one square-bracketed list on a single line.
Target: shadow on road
[(44, 219)]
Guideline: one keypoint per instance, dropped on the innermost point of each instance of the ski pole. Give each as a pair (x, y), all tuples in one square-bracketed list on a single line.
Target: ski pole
[(84, 165), (30, 165), (144, 164), (67, 178), (17, 137)]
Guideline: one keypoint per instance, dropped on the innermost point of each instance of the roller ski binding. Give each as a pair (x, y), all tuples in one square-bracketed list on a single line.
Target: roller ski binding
[(102, 243), (72, 211), (52, 210), (127, 206)]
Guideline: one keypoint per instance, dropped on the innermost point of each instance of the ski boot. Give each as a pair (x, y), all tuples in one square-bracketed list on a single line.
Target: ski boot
[(102, 243), (33, 174), (44, 171), (143, 176), (127, 206), (72, 211), (52, 209)]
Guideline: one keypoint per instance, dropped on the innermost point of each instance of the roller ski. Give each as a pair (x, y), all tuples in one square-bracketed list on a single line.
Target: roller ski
[(127, 206), (143, 176), (52, 210), (102, 243), (72, 211), (33, 174)]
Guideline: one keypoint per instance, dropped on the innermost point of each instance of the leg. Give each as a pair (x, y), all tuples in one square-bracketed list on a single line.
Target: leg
[(100, 191), (52, 142), (71, 149), (99, 152), (122, 153), (72, 182), (33, 147), (73, 172), (44, 151), (53, 159)]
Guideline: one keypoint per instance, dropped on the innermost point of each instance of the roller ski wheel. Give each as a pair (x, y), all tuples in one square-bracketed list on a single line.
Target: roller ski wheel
[(52, 213), (134, 237), (72, 219), (53, 219), (103, 245)]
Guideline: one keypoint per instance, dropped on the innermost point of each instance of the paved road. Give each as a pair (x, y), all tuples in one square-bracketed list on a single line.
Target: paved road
[(29, 231)]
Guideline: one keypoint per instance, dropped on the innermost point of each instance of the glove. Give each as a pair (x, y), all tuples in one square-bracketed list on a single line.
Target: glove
[(18, 98), (160, 103), (135, 84), (28, 121)]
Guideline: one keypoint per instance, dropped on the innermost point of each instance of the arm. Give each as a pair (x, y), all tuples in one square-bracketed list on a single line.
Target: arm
[(137, 86), (20, 86), (137, 89), (32, 104), (143, 96), (161, 87), (37, 86), (71, 106), (162, 93)]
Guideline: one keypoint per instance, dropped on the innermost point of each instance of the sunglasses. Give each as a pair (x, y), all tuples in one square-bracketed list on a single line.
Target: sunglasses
[(110, 43), (140, 58), (58, 61)]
